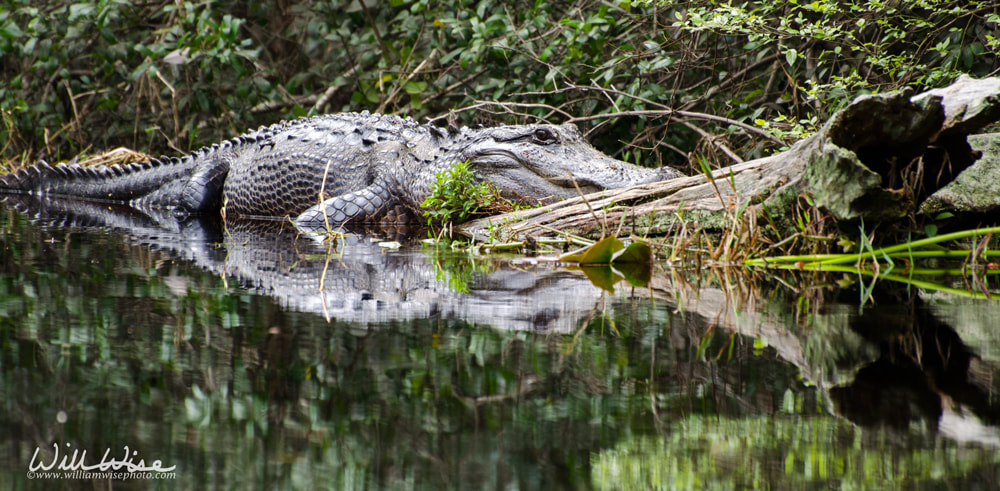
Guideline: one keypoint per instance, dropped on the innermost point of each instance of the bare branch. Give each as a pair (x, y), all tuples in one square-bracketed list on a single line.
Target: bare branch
[(661, 113)]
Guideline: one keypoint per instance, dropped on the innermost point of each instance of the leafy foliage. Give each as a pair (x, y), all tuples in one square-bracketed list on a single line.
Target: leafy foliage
[(456, 195), (166, 76)]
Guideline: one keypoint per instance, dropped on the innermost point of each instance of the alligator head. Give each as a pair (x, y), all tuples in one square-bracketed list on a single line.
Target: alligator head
[(544, 161)]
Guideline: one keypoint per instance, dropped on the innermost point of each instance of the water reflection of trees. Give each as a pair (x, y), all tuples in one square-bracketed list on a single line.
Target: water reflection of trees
[(152, 343), (891, 362)]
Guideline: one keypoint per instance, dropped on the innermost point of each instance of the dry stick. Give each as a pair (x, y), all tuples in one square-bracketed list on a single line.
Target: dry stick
[(371, 22), (687, 114), (731, 79), (322, 280), (604, 224), (404, 65), (72, 126), (395, 91), (650, 132), (325, 98), (72, 103), (710, 138), (322, 193), (584, 88), (979, 249), (173, 103), (448, 89), (330, 91), (506, 105)]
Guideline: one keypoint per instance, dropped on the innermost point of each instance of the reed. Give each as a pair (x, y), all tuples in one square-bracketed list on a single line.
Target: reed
[(928, 248)]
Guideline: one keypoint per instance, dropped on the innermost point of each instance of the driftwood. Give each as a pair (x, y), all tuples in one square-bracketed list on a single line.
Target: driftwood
[(878, 159)]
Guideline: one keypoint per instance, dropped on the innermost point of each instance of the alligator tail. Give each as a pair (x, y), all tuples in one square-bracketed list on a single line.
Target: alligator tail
[(116, 183), (27, 179)]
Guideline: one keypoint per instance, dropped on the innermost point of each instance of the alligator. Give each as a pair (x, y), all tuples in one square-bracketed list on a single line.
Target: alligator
[(352, 279), (340, 169)]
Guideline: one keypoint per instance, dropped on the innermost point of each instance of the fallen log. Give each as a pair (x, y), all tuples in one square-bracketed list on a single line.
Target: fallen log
[(878, 159)]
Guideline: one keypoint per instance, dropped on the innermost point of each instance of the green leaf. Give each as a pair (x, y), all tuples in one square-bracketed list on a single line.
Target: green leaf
[(791, 55), (635, 253), (141, 70), (415, 87), (10, 31), (599, 253)]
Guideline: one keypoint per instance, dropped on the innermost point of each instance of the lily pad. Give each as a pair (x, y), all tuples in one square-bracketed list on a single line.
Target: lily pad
[(599, 253), (635, 253), (608, 261)]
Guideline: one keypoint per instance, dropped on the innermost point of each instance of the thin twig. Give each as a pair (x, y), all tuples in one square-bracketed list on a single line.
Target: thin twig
[(711, 139), (673, 112), (604, 224), (402, 84), (505, 105)]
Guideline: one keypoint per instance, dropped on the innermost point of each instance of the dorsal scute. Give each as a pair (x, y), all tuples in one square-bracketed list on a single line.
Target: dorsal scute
[(37, 171), (62, 170)]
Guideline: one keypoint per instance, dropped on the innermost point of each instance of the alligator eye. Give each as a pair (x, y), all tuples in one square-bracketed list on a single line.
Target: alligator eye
[(543, 136)]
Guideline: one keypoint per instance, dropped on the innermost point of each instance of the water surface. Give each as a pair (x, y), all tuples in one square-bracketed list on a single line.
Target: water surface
[(251, 356)]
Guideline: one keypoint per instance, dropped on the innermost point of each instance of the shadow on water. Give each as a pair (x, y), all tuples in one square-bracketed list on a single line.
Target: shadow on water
[(253, 354)]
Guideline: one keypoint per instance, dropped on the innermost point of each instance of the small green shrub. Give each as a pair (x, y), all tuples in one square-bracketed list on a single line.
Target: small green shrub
[(456, 196)]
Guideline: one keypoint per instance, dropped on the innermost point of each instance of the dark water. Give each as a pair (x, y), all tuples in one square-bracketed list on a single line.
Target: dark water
[(215, 351)]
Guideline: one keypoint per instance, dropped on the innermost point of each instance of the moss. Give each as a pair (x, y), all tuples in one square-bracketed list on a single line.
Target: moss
[(975, 190), (663, 224), (841, 184), (778, 210)]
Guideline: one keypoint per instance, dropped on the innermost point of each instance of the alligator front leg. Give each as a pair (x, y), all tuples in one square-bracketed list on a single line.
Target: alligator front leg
[(373, 204)]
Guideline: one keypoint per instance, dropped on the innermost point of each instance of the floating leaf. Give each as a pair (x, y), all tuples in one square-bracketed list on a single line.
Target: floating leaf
[(599, 253), (635, 253), (632, 263)]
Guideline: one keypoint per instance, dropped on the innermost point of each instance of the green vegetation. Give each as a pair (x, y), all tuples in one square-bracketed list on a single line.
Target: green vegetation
[(920, 263), (727, 453), (694, 85), (691, 78), (930, 247), (456, 195)]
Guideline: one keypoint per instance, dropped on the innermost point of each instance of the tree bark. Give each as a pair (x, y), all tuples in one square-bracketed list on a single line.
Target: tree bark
[(878, 159)]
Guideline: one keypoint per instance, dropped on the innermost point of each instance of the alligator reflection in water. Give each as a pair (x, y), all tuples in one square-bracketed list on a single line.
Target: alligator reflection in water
[(899, 365), (354, 280)]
